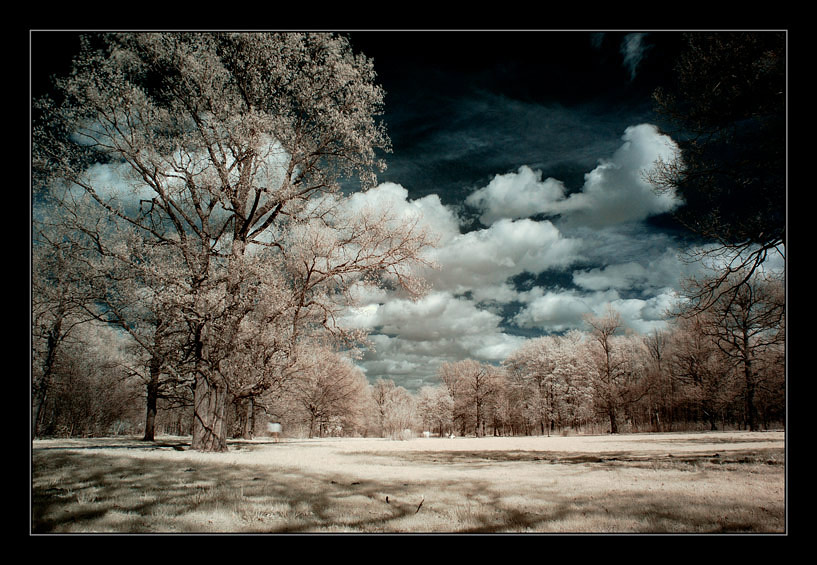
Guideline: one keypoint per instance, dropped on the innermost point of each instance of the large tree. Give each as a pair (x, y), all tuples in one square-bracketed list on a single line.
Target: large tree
[(727, 111), (217, 147)]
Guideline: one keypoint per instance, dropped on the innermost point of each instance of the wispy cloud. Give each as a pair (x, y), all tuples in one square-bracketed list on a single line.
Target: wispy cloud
[(633, 49)]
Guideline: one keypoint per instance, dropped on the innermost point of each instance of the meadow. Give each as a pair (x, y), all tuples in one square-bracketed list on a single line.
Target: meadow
[(706, 482)]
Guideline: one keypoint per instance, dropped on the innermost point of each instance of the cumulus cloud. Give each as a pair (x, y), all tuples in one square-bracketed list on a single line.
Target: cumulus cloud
[(429, 211), (451, 323), (414, 337), (614, 192), (480, 261), (487, 258), (562, 310), (516, 195), (652, 272), (624, 275), (466, 313), (437, 316)]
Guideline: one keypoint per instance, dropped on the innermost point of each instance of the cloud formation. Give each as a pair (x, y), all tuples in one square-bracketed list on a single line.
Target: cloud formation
[(486, 258), (516, 195), (614, 192), (532, 226)]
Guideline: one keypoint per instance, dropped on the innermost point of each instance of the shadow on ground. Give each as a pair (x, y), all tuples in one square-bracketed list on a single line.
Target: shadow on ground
[(769, 456), (85, 490)]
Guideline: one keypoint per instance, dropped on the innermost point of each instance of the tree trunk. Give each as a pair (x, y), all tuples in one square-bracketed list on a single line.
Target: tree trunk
[(209, 415), (751, 410), (150, 416), (152, 399), (613, 423), (41, 388), (249, 419)]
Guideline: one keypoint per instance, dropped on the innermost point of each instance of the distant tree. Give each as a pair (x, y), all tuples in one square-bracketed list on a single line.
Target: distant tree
[(394, 407), (745, 326), (127, 282), (619, 374), (60, 296), (702, 379), (534, 366), (550, 377), (93, 390), (727, 107), (608, 364), (472, 385), (329, 391), (573, 367), (435, 406), (662, 391)]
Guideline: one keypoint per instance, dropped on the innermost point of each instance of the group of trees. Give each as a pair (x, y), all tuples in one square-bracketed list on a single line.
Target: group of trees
[(101, 383), (191, 184), (192, 248), (723, 367)]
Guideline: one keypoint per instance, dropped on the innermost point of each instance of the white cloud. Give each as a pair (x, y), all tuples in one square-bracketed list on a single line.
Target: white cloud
[(413, 338), (564, 310), (644, 316), (462, 317), (516, 195), (437, 316), (651, 272), (429, 210), (614, 192), (624, 275), (633, 49), (560, 310), (487, 258)]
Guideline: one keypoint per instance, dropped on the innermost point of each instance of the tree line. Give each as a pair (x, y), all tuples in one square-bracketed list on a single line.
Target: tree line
[(712, 370), (721, 368)]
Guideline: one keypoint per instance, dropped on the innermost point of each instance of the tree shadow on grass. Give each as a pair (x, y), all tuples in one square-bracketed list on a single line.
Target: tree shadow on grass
[(75, 489), (84, 490), (629, 458)]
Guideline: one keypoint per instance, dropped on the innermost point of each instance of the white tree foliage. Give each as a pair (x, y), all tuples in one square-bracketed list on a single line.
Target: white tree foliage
[(228, 151)]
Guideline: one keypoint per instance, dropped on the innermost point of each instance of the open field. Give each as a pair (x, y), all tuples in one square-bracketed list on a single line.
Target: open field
[(716, 482)]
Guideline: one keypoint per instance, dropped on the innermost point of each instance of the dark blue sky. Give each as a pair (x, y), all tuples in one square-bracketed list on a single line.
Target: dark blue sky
[(462, 106)]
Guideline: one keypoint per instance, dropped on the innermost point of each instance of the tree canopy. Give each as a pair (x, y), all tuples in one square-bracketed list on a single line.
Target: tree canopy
[(727, 109), (223, 156)]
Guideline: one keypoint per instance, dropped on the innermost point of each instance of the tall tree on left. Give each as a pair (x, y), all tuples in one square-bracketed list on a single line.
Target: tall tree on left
[(212, 145)]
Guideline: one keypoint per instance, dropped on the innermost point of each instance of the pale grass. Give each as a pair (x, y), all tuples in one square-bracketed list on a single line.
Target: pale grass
[(664, 483)]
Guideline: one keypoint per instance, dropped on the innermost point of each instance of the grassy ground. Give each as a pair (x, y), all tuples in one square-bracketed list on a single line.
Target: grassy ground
[(657, 483)]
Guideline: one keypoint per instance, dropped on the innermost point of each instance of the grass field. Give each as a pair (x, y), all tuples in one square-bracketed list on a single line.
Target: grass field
[(718, 482)]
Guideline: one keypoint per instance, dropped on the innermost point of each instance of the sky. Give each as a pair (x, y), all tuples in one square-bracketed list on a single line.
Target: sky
[(524, 153)]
